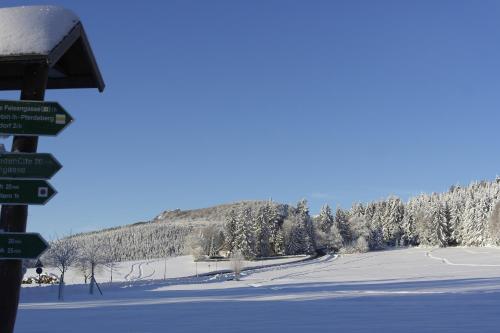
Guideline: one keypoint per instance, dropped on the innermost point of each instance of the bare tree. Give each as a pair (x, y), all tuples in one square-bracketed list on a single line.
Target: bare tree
[(84, 268), (94, 253), (211, 240), (112, 264), (193, 243), (63, 253), (237, 264), (112, 259)]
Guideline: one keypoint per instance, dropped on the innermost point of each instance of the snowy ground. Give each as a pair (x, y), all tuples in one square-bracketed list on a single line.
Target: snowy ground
[(155, 269), (410, 290)]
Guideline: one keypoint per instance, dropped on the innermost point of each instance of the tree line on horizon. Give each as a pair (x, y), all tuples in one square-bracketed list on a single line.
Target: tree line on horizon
[(462, 216)]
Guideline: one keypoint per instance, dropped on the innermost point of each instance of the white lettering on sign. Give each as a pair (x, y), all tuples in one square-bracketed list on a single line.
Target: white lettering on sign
[(18, 161), (11, 241), (10, 170), (11, 187), (37, 118)]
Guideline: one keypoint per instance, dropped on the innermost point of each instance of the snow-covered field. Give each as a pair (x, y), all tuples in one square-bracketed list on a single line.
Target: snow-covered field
[(407, 290), (155, 269)]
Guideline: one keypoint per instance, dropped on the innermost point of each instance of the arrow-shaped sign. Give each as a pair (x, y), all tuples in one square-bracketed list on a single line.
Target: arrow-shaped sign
[(25, 192), (32, 118), (28, 166), (20, 245)]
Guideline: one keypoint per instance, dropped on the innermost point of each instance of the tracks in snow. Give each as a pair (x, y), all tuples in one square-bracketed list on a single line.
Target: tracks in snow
[(136, 272), (448, 262), (326, 265)]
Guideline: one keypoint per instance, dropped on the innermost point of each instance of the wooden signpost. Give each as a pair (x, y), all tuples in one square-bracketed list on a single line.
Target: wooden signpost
[(69, 63)]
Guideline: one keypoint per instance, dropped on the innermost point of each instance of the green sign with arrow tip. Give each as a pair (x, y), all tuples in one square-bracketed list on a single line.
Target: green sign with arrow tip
[(28, 166), (25, 192), (20, 245), (32, 118)]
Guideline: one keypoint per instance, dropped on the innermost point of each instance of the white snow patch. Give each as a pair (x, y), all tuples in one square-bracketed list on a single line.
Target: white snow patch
[(34, 29), (387, 291)]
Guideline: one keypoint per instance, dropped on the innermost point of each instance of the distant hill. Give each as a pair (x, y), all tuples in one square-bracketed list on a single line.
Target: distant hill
[(215, 214), (166, 234)]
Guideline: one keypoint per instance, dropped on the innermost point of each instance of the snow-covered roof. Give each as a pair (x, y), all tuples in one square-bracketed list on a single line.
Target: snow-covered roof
[(34, 29), (48, 35)]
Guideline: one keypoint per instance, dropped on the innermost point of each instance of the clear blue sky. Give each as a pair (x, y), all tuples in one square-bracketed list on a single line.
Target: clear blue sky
[(210, 102)]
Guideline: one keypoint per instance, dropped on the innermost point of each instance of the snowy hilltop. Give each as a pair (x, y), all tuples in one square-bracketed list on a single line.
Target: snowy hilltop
[(165, 235)]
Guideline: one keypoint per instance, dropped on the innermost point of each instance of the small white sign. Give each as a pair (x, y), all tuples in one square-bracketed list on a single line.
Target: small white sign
[(43, 192)]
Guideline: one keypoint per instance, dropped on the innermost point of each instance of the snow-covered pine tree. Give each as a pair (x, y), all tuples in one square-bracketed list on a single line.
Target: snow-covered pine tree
[(279, 243), (377, 212), (326, 232), (342, 223), (230, 230), (392, 218), (325, 219), (369, 211), (409, 235), (296, 230), (494, 225), (276, 229), (423, 221), (477, 234), (306, 220), (293, 236), (470, 232), (376, 238), (456, 206), (244, 234), (296, 238), (331, 240), (440, 223), (262, 233), (358, 210)]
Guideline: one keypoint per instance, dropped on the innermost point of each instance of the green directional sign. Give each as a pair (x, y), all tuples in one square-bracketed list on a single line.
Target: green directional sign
[(25, 192), (32, 118), (29, 166), (20, 245)]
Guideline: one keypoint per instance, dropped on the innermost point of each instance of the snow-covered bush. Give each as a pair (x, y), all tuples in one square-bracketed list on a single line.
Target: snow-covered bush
[(361, 245), (237, 259)]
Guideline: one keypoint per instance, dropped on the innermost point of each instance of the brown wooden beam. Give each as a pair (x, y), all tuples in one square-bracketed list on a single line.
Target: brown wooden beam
[(14, 218)]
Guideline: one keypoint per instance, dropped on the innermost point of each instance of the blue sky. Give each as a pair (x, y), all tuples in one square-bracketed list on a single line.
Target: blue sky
[(210, 102)]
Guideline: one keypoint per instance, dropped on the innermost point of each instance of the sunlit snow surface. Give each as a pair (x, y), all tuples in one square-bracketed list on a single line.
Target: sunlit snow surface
[(33, 29), (410, 290)]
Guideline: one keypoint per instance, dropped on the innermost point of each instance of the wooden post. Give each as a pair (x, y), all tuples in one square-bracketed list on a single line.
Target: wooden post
[(14, 218)]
